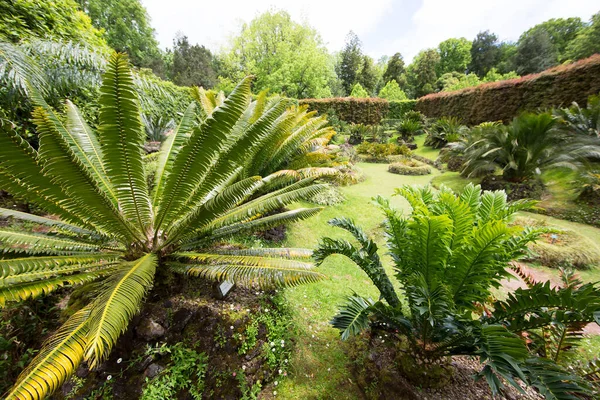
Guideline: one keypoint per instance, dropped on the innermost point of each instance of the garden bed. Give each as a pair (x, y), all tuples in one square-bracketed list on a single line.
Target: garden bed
[(407, 166)]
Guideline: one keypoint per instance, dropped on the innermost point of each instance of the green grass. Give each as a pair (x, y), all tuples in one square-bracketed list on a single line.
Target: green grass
[(319, 364), (425, 151)]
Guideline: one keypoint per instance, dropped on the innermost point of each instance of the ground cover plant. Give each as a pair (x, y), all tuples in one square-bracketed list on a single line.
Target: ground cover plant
[(447, 256), (115, 235), (409, 167)]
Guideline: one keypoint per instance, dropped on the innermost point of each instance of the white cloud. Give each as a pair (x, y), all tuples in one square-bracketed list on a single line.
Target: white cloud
[(437, 20), (211, 22)]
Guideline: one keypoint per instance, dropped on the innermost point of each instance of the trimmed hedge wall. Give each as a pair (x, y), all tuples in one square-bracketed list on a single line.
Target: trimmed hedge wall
[(368, 111), (399, 108), (503, 100)]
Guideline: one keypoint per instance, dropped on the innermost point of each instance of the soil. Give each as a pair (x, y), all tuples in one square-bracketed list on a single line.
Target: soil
[(184, 310), (376, 372), (532, 189)]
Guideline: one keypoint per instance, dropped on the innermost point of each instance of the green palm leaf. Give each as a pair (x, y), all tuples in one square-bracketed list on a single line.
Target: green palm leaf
[(353, 317), (122, 138), (60, 356), (5, 212), (116, 304), (36, 243), (17, 266)]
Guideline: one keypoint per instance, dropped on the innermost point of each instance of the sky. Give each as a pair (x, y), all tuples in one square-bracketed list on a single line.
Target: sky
[(384, 26)]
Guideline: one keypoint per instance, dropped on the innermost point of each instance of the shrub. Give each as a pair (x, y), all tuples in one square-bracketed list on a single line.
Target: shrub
[(581, 120), (359, 92), (392, 92), (409, 167), (380, 152), (328, 197), (397, 109), (501, 101), (408, 129), (351, 110), (448, 256), (113, 235), (528, 146), (445, 130)]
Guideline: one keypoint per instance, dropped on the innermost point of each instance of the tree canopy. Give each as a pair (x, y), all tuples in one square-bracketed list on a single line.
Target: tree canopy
[(455, 55), (485, 53), (193, 65), (285, 56)]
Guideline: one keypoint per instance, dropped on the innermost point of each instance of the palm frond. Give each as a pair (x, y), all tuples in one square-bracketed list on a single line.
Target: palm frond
[(17, 266), (282, 252), (194, 160), (248, 271), (353, 317), (36, 243), (169, 150), (29, 290), (117, 302), (60, 356), (553, 382), (122, 138), (23, 216)]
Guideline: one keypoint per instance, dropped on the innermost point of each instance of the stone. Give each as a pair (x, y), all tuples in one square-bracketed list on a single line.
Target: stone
[(180, 320), (153, 370), (150, 330)]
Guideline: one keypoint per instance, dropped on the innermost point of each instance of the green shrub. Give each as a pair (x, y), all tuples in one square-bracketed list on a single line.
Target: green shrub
[(351, 110), (397, 109), (392, 92), (448, 256), (445, 130), (501, 101), (328, 197), (409, 167), (359, 92), (380, 152)]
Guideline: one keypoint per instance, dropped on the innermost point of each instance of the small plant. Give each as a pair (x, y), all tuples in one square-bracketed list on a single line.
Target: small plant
[(448, 256), (328, 197), (408, 129), (377, 152), (579, 120), (186, 372), (445, 130), (409, 167), (157, 128)]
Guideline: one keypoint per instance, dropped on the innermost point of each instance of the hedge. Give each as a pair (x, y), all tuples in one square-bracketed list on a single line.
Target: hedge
[(398, 108), (503, 100), (368, 111)]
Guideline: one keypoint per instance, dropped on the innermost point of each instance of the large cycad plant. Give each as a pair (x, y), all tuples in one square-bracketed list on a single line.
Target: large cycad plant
[(447, 257), (531, 144), (292, 147), (114, 233)]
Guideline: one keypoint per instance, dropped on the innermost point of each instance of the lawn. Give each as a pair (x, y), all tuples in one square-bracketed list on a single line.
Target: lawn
[(319, 365)]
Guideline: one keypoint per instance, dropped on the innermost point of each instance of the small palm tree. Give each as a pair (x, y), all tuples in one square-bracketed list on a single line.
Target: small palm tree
[(445, 130), (294, 144), (530, 144), (114, 234), (447, 256), (580, 120)]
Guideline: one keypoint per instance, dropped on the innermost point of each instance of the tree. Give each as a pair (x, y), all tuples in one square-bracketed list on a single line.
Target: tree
[(587, 41), (455, 55), (358, 91), (421, 73), (562, 31), (350, 62), (506, 60), (392, 91), (192, 65), (115, 234), (127, 29), (395, 70), (530, 145), (535, 53), (448, 256), (367, 75), (485, 53), (285, 56), (59, 20)]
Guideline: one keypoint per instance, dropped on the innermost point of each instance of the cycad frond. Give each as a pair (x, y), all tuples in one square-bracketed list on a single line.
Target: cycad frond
[(29, 290), (16, 266), (117, 302), (122, 140), (192, 163), (37, 243), (266, 273), (283, 252), (23, 216), (353, 317), (62, 165), (169, 150), (553, 382), (60, 356)]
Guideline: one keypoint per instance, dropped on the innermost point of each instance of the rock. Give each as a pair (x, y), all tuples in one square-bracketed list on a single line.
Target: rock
[(150, 330), (146, 362), (180, 320), (153, 370)]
